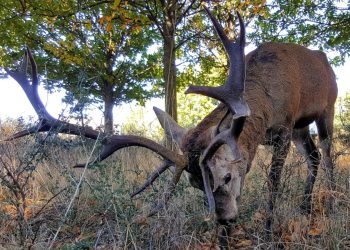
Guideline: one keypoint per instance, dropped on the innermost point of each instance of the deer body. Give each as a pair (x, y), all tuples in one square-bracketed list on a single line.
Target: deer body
[(287, 88)]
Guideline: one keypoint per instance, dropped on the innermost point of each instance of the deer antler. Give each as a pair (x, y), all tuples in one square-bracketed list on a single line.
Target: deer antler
[(231, 94), (46, 121), (111, 144)]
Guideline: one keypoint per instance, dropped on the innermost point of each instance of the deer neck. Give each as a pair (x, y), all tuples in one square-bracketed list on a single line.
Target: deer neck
[(252, 135)]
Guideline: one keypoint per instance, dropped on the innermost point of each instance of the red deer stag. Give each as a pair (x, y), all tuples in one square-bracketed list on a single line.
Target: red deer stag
[(270, 97)]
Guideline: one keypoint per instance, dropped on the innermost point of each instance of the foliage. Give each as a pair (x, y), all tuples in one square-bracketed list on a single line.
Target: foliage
[(187, 40), (203, 58), (108, 52), (193, 108), (321, 24), (143, 122), (103, 216), (342, 122), (95, 49)]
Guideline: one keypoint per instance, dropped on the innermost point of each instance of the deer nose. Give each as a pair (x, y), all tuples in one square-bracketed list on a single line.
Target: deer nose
[(227, 178)]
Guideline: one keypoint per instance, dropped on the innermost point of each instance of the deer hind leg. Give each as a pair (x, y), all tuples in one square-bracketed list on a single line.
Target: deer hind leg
[(325, 133), (306, 146), (281, 144)]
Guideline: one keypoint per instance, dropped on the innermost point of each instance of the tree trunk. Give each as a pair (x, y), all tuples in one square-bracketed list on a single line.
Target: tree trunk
[(108, 109), (169, 73)]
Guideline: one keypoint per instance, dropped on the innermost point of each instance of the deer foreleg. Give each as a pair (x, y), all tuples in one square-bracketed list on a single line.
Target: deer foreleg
[(306, 146), (280, 150)]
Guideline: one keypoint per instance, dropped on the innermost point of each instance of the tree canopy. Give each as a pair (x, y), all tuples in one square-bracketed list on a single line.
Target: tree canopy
[(95, 49), (320, 24), (115, 51)]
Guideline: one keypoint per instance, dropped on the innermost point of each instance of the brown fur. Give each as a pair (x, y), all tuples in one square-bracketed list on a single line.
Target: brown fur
[(287, 88), (286, 84)]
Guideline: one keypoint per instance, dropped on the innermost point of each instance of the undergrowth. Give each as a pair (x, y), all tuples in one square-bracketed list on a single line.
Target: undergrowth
[(43, 203)]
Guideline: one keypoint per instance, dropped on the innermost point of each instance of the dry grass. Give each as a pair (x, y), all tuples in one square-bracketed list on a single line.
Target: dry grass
[(33, 203)]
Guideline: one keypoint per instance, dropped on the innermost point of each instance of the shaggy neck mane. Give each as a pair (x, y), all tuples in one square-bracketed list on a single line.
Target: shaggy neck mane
[(198, 138), (252, 135)]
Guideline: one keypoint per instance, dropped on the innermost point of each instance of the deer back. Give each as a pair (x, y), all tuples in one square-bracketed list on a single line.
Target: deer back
[(288, 84)]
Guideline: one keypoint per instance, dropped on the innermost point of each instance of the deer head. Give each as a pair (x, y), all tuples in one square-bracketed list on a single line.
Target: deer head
[(221, 162)]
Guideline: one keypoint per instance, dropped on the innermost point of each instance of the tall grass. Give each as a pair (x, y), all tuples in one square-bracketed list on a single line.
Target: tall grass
[(37, 183)]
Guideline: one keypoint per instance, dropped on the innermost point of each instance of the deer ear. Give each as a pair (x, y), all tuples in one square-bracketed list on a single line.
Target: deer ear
[(171, 128)]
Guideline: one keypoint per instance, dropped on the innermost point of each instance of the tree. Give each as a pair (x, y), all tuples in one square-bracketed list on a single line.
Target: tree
[(170, 18), (342, 118), (321, 24), (95, 48), (203, 56)]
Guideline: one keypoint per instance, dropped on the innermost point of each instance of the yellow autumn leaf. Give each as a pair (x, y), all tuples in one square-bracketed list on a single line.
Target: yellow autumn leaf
[(109, 27), (207, 246), (88, 25), (101, 20), (136, 29), (243, 243), (315, 231)]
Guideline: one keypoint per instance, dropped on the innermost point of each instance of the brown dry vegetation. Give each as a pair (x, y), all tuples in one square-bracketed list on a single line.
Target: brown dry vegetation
[(38, 185)]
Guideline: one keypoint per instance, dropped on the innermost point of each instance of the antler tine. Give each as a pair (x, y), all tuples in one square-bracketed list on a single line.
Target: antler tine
[(231, 93), (242, 30), (207, 188), (35, 80), (116, 142), (169, 190), (24, 64), (31, 90), (235, 51), (219, 29), (47, 122), (110, 144), (226, 94), (229, 137), (155, 174)]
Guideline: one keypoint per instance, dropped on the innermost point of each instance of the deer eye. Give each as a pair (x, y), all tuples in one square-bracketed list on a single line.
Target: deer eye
[(227, 178)]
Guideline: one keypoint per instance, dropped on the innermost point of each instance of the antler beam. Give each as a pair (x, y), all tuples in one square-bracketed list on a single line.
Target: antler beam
[(232, 95), (46, 121)]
